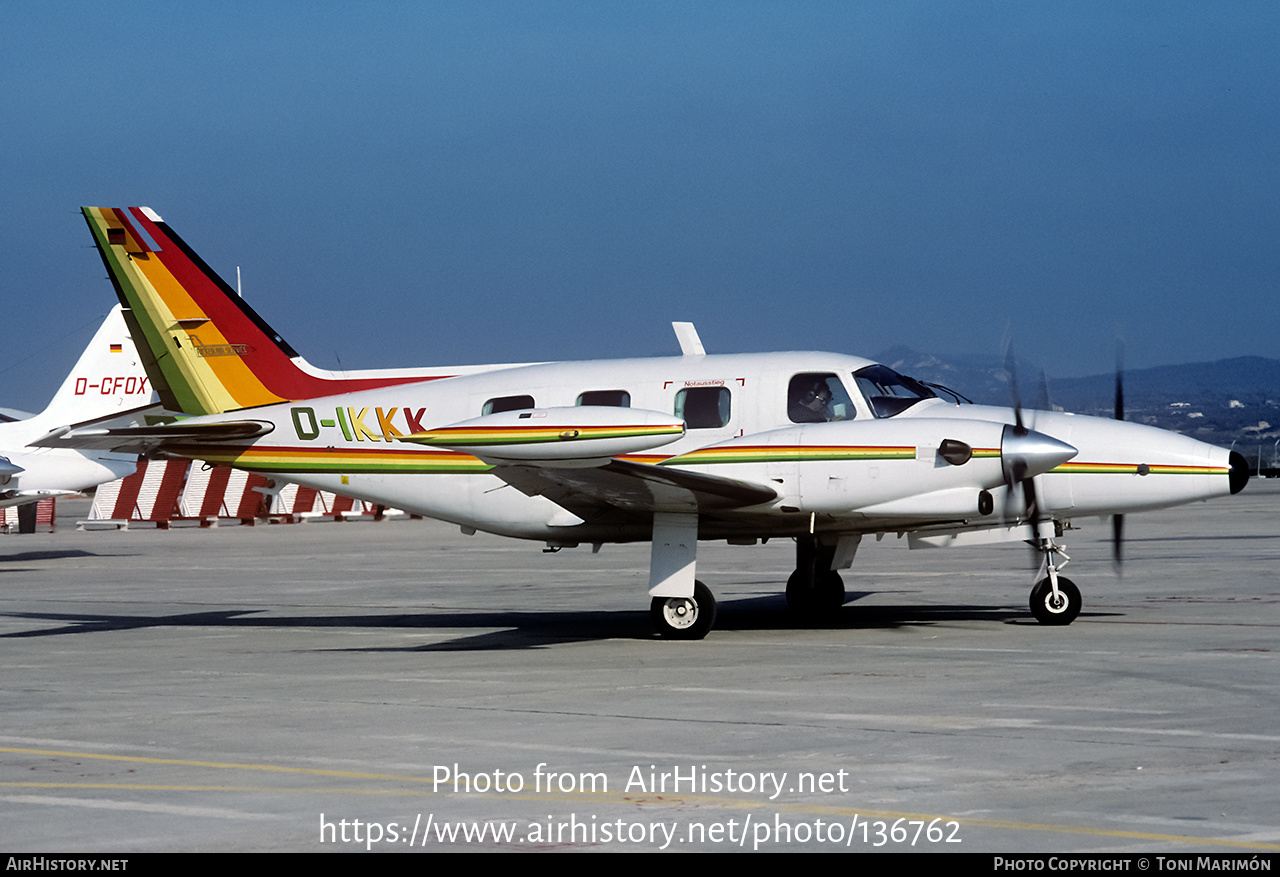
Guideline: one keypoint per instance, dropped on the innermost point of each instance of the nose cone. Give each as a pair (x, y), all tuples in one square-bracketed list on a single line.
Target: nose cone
[(1239, 476), (1025, 453)]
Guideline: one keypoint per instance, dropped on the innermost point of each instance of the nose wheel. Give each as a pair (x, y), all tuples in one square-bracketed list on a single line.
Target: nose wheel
[(684, 617), (1057, 608)]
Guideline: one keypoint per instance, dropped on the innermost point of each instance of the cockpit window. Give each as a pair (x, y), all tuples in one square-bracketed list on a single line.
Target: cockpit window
[(818, 397), (889, 393)]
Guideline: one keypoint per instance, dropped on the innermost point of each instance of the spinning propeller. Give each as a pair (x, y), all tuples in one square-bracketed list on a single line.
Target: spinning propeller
[(1015, 468)]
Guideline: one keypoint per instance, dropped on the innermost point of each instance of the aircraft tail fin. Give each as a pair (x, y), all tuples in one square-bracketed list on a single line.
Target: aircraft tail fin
[(108, 379), (205, 349)]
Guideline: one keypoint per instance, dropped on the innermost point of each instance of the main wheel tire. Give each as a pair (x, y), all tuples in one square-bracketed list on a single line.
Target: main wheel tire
[(684, 617), (800, 597), (829, 591), (822, 597), (1062, 611)]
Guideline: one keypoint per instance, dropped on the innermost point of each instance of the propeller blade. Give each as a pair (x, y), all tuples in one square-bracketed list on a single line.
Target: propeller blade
[(1029, 496), (1044, 403), (1011, 366), (1117, 541), (1119, 381), (1015, 475), (1032, 511), (1117, 521)]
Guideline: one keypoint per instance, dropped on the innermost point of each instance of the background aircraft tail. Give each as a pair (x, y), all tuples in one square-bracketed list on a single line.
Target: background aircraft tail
[(107, 380), (205, 350), (108, 387)]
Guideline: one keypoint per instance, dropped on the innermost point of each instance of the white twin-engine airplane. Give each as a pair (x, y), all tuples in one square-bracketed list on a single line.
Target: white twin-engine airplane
[(107, 384), (819, 447)]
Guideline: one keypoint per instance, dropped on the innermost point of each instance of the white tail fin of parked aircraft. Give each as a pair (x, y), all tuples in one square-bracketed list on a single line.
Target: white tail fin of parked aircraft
[(108, 385)]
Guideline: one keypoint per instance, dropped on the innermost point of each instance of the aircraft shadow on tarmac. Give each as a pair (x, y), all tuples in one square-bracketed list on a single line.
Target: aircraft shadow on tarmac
[(1225, 537), (29, 556), (528, 630)]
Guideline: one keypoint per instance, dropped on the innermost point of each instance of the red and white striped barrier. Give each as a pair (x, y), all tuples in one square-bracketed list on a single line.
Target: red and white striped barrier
[(149, 494), (162, 491), (218, 492)]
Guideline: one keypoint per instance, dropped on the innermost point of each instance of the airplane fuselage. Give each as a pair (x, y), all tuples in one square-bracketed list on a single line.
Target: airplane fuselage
[(854, 473)]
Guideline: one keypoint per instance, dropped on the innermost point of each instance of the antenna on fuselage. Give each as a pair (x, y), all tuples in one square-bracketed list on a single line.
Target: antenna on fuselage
[(690, 343)]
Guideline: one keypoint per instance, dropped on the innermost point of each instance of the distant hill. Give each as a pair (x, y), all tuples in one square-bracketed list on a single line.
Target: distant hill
[(1231, 400)]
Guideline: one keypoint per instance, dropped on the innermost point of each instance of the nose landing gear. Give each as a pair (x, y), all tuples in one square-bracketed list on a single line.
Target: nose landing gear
[(1055, 599)]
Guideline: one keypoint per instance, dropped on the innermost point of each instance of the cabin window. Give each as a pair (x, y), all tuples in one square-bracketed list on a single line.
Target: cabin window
[(608, 398), (818, 397), (507, 403), (703, 407)]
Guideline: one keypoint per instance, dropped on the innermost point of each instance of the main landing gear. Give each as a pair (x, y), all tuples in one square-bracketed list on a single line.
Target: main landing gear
[(682, 607), (684, 617), (1055, 599), (814, 589)]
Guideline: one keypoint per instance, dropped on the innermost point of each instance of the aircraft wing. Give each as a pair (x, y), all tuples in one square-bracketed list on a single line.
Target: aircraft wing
[(570, 456), (633, 487)]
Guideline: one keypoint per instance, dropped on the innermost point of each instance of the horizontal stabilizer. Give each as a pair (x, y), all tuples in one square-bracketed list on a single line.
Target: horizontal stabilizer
[(150, 439)]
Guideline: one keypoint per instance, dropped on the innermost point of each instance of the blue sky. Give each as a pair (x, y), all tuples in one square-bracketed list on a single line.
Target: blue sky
[(434, 183)]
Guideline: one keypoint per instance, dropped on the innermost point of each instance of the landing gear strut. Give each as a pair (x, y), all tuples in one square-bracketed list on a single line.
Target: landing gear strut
[(684, 617)]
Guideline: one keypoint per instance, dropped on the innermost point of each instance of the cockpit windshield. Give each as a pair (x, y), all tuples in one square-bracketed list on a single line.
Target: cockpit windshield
[(889, 393), (945, 393)]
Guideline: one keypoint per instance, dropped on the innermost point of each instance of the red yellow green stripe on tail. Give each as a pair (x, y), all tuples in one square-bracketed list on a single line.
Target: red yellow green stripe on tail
[(205, 350)]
